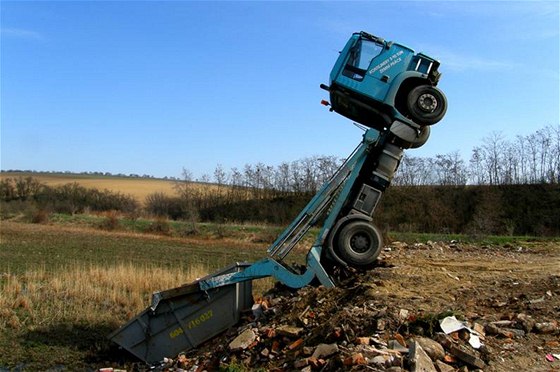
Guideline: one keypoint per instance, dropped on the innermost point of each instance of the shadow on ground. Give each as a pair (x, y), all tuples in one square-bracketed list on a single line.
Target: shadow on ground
[(73, 346)]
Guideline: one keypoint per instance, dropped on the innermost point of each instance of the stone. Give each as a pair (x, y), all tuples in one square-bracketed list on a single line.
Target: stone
[(307, 350), (381, 324), (443, 367), (243, 341), (526, 322), (403, 315), (299, 364), (316, 363), (265, 352), (546, 327), (395, 345), (467, 356), (289, 331), (381, 360), (479, 328), (433, 348), (443, 339), (369, 352), (419, 360), (325, 350), (493, 329)]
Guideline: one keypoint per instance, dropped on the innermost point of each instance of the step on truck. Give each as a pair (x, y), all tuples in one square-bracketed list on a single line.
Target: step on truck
[(387, 89)]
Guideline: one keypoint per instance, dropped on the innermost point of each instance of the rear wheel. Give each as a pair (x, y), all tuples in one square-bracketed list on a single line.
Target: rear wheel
[(359, 243), (426, 104)]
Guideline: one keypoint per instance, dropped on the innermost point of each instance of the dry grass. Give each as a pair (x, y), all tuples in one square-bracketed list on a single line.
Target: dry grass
[(139, 188), (83, 294)]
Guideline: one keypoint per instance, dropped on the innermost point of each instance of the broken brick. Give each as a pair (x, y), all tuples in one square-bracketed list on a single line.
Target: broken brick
[(362, 340), (296, 344), (355, 359)]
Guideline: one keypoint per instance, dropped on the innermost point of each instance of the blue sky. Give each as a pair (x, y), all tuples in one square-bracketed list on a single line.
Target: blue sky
[(152, 87)]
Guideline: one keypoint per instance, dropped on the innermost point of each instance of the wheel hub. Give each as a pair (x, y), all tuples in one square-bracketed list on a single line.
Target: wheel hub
[(427, 102), (360, 243)]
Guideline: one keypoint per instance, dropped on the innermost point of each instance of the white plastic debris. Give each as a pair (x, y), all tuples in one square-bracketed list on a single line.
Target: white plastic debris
[(451, 324)]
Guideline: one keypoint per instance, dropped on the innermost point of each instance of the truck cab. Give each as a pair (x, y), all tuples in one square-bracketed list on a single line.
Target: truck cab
[(375, 82)]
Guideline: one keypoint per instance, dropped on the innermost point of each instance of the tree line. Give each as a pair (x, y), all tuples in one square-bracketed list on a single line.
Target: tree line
[(507, 187), (530, 159), (21, 193)]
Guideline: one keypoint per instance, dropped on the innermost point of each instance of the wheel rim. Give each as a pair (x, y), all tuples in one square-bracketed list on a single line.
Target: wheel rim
[(427, 102), (360, 242)]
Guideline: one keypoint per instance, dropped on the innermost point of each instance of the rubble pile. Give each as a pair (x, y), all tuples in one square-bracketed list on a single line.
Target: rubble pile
[(383, 320)]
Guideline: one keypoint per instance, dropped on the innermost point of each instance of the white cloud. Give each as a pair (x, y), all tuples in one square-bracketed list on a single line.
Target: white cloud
[(21, 33)]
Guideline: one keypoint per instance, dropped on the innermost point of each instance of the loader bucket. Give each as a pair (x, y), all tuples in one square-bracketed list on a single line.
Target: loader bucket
[(184, 317)]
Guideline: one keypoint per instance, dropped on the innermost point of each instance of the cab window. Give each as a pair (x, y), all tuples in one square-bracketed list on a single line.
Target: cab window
[(360, 58)]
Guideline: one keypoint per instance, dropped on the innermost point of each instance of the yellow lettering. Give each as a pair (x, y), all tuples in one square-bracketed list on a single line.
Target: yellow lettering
[(192, 323)]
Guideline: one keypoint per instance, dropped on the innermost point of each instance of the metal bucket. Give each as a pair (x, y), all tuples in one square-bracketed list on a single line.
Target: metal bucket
[(182, 318)]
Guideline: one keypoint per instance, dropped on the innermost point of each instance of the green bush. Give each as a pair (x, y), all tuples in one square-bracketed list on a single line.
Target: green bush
[(159, 226)]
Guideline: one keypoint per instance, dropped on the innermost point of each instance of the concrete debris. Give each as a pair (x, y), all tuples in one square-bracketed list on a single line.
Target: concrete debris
[(419, 360), (546, 328), (442, 367), (433, 348), (289, 331), (243, 341), (363, 324), (467, 356), (325, 350)]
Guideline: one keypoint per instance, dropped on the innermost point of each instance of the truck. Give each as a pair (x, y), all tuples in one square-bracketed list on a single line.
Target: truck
[(375, 82), (388, 90)]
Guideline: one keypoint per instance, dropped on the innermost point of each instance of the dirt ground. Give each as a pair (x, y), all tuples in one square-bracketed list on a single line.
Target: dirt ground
[(512, 292), (484, 284)]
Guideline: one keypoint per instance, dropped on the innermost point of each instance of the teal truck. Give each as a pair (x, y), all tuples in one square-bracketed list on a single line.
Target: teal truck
[(391, 91), (375, 82)]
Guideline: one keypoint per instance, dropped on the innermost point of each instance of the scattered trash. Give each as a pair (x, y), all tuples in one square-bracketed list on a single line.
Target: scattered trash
[(450, 324), (367, 323)]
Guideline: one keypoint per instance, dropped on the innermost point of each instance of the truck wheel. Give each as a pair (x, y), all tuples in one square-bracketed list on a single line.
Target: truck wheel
[(359, 243), (426, 104)]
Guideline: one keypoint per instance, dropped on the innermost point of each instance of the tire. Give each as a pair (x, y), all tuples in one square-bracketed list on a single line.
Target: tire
[(359, 243), (426, 104)]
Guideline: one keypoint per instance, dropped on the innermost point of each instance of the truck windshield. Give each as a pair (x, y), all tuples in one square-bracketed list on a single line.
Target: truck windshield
[(360, 58)]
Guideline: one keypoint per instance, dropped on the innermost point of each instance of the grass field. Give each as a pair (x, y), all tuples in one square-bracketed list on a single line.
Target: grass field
[(139, 188), (65, 287)]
